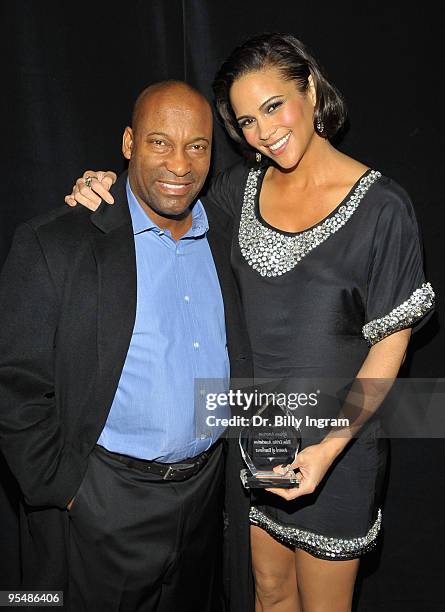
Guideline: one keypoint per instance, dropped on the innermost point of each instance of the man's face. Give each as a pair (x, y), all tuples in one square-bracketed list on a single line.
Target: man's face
[(169, 150)]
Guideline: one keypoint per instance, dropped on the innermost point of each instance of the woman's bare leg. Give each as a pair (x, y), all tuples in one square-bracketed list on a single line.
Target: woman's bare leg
[(276, 588), (325, 586)]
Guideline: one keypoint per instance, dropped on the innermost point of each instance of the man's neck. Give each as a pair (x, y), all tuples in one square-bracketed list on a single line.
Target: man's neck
[(177, 226)]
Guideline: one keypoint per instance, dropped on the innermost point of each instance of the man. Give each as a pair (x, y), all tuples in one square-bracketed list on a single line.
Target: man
[(107, 319)]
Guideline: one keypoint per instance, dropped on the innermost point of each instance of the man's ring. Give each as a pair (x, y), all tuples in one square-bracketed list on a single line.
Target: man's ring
[(88, 181)]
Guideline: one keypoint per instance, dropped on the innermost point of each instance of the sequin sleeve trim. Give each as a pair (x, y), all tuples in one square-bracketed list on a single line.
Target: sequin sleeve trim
[(401, 317), (316, 544)]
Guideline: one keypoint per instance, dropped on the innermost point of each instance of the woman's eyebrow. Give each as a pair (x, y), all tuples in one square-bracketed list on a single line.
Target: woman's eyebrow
[(263, 104)]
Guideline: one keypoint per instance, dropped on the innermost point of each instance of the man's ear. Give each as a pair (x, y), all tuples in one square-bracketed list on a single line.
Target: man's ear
[(311, 92), (127, 142)]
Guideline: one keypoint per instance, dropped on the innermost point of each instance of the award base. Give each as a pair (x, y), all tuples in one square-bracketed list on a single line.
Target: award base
[(269, 480)]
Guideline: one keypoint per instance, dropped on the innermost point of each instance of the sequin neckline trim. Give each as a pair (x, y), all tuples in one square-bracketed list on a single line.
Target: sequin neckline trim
[(272, 253), (316, 544)]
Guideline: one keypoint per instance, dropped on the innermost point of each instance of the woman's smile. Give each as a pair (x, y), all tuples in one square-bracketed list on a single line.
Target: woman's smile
[(280, 145)]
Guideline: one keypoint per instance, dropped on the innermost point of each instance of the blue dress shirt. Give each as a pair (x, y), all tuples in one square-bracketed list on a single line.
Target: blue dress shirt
[(179, 336)]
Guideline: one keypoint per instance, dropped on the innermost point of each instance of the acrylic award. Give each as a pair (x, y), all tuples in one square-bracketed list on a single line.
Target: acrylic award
[(272, 438)]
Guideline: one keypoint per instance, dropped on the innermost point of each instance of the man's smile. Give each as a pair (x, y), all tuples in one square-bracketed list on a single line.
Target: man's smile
[(176, 188)]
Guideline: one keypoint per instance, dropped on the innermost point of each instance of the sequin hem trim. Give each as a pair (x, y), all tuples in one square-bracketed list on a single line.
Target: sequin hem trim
[(316, 544), (271, 253), (410, 311)]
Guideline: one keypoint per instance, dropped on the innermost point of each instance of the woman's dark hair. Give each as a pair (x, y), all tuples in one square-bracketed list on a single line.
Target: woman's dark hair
[(293, 60)]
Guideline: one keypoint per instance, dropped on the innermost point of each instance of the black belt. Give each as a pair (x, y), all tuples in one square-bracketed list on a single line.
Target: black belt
[(169, 471)]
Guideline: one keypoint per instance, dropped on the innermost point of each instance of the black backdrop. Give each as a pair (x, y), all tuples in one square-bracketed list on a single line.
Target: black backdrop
[(70, 72)]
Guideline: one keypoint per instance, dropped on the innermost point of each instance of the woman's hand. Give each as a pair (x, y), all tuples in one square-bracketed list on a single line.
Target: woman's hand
[(313, 462), (92, 196)]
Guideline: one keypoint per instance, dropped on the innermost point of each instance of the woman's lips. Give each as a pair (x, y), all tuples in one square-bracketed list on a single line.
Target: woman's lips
[(174, 188), (278, 147)]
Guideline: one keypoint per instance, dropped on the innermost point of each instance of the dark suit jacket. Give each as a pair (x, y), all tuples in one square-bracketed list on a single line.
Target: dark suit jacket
[(67, 307)]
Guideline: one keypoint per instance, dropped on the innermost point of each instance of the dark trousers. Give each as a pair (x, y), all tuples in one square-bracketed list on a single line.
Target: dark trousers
[(141, 544)]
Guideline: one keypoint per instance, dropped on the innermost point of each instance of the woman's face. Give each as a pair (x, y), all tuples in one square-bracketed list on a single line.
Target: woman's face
[(275, 118)]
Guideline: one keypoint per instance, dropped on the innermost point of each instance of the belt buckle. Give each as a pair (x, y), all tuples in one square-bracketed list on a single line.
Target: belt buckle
[(171, 471)]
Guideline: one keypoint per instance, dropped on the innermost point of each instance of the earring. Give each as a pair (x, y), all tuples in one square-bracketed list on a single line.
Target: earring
[(320, 126), (258, 157)]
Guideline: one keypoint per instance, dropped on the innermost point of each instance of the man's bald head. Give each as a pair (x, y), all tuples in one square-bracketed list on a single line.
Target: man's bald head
[(171, 93), (168, 148)]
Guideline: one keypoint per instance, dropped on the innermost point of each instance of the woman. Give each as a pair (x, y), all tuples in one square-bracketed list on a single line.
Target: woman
[(327, 254)]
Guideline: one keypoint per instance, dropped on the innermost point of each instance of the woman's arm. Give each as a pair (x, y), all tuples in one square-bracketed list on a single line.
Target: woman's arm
[(225, 190), (373, 382)]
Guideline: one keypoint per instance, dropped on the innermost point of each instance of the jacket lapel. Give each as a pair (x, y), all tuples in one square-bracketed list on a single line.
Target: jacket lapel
[(113, 246)]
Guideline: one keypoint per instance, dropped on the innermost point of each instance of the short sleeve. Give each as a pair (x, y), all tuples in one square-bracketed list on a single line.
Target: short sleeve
[(398, 295), (226, 189)]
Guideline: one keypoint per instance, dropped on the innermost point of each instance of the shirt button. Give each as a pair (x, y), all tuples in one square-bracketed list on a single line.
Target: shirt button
[(196, 345), (202, 392), (203, 436), (186, 298)]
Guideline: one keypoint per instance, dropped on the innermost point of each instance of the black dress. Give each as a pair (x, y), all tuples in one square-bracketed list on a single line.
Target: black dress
[(315, 301)]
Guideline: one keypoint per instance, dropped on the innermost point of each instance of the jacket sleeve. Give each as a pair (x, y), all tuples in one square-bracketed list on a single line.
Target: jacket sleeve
[(31, 432)]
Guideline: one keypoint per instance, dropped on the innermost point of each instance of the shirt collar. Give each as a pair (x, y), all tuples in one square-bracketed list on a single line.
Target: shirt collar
[(141, 221)]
